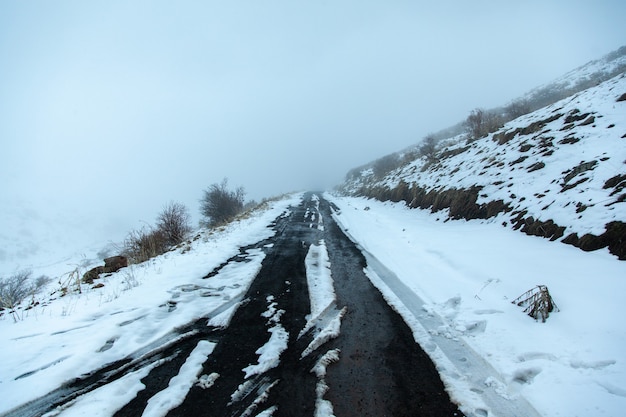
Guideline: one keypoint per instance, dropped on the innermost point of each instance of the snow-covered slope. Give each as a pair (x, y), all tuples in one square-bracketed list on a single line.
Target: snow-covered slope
[(586, 75), (56, 335), (559, 172)]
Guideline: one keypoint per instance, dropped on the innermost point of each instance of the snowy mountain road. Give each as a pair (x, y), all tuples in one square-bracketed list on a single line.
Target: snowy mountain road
[(310, 336), (379, 370)]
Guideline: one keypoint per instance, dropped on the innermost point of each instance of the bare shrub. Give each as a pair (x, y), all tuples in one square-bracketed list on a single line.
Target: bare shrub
[(18, 287), (172, 228), (141, 245), (538, 302), (428, 148), (219, 205), (481, 122), (71, 281), (386, 164), (474, 123), (517, 108), (174, 223)]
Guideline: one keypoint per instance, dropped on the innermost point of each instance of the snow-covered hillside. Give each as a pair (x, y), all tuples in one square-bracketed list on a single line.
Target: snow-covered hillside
[(559, 172), (57, 335), (597, 70)]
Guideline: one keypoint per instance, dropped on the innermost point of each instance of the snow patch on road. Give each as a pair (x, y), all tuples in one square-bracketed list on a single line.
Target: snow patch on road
[(324, 316), (319, 280), (324, 408), (269, 353), (108, 399), (206, 381), (330, 331), (171, 397), (268, 413), (320, 219)]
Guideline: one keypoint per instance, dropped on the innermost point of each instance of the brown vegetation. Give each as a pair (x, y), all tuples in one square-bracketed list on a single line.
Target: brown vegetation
[(172, 228), (219, 205)]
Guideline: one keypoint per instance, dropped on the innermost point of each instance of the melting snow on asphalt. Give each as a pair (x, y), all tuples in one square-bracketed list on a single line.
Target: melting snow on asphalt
[(174, 395), (319, 280), (323, 408), (269, 353), (324, 319)]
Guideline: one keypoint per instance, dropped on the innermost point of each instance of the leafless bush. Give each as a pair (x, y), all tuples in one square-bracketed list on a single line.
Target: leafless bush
[(141, 245), (538, 302), (71, 281), (219, 205), (174, 223), (517, 108), (474, 124), (481, 122), (172, 228), (386, 164), (16, 288), (428, 148)]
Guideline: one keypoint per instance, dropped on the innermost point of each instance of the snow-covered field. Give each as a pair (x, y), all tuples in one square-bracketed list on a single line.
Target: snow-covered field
[(467, 273)]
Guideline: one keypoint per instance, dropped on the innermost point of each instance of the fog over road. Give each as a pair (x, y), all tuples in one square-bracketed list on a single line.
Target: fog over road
[(273, 358)]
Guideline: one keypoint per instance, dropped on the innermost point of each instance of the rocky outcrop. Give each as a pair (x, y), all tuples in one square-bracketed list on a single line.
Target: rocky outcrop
[(561, 163), (115, 263), (532, 227), (614, 238), (505, 136), (92, 274), (462, 203), (112, 264)]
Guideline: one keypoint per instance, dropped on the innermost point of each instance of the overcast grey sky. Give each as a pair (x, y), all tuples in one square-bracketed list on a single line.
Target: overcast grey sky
[(110, 109)]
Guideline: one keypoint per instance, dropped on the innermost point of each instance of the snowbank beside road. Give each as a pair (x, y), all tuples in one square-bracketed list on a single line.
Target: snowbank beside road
[(467, 273)]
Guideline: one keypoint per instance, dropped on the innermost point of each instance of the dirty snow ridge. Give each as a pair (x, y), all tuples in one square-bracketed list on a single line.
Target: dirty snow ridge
[(324, 315), (320, 219), (319, 280), (172, 396), (324, 408), (269, 353), (327, 330)]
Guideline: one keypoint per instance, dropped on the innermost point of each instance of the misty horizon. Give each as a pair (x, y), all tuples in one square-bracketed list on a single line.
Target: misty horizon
[(108, 111)]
